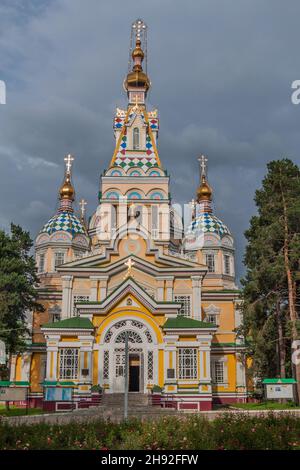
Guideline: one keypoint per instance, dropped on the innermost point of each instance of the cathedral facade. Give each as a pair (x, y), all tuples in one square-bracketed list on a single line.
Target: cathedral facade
[(131, 273)]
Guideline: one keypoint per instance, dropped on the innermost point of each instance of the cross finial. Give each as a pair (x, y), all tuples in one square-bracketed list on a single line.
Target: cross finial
[(129, 265), (82, 205), (69, 159), (138, 26), (203, 160)]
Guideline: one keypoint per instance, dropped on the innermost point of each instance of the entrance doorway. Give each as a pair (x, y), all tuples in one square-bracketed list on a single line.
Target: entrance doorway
[(134, 372)]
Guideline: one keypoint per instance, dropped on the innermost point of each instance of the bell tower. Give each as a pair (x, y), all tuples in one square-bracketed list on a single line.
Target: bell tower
[(135, 185)]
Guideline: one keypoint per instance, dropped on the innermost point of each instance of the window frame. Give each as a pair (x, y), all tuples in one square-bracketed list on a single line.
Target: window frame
[(211, 266), (56, 253), (184, 304), (76, 298), (106, 364), (64, 356), (227, 264), (41, 256), (136, 138), (187, 364), (215, 374), (212, 318)]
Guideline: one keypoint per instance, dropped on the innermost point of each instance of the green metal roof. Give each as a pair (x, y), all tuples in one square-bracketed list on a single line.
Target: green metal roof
[(74, 322), (279, 381), (55, 383), (37, 345), (227, 345), (16, 383), (184, 322)]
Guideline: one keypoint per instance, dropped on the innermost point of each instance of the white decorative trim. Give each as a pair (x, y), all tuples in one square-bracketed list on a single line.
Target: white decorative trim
[(142, 347), (131, 287), (214, 311)]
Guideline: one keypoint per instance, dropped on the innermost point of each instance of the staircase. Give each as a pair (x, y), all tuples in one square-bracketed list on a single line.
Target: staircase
[(139, 406), (116, 400)]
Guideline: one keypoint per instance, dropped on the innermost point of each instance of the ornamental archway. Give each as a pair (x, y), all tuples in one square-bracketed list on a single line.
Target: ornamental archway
[(143, 356)]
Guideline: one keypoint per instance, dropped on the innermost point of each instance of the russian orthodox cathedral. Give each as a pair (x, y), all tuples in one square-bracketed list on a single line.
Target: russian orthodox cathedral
[(130, 274)]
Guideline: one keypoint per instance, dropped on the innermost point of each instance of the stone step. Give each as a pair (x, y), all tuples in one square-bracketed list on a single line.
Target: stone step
[(139, 406), (145, 401), (116, 399)]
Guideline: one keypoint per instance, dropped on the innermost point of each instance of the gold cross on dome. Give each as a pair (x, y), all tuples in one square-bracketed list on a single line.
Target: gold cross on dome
[(82, 205), (69, 159), (203, 160), (129, 265), (138, 26)]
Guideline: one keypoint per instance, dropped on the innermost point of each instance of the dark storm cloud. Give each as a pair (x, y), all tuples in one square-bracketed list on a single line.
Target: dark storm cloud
[(221, 74)]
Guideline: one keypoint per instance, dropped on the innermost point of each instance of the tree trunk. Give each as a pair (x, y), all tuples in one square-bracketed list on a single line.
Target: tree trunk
[(290, 284), (281, 342)]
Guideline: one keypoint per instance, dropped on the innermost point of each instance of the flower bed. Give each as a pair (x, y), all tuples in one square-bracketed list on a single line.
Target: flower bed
[(239, 432)]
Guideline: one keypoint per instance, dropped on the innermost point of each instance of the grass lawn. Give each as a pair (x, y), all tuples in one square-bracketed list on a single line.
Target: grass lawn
[(266, 405), (14, 411)]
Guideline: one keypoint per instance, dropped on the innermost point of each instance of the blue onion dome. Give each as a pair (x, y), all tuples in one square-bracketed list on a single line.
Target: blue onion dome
[(64, 221), (201, 230), (204, 221), (208, 223)]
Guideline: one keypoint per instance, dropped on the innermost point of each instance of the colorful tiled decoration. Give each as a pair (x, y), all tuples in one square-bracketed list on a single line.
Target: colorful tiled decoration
[(208, 223), (142, 162), (126, 158), (63, 222)]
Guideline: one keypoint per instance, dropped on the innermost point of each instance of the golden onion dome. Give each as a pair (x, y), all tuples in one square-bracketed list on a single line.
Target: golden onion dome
[(67, 191), (137, 79), (204, 192)]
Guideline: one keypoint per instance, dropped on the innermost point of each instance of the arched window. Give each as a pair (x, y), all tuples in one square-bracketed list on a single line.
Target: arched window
[(133, 337), (136, 138)]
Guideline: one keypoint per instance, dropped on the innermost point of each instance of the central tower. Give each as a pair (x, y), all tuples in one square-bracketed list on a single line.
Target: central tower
[(134, 191)]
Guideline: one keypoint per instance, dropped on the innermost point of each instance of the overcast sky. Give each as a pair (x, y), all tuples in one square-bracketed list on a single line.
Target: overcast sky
[(221, 75)]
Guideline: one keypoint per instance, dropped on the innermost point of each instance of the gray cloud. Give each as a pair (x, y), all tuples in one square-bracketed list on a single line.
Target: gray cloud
[(221, 74)]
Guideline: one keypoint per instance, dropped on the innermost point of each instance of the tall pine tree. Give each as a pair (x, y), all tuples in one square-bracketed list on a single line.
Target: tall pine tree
[(272, 261), (18, 282)]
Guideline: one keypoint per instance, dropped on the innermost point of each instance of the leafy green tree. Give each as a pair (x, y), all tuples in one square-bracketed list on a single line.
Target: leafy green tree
[(272, 261), (18, 282)]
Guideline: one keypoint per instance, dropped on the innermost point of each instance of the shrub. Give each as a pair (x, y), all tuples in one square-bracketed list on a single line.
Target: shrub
[(96, 389), (156, 389), (239, 431)]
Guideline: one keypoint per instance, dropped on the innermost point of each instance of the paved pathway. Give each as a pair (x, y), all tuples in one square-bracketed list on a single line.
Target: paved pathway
[(112, 409)]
